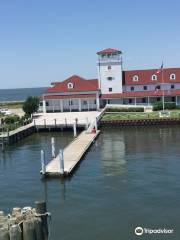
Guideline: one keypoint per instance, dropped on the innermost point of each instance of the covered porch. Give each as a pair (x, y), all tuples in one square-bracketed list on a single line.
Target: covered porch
[(67, 103)]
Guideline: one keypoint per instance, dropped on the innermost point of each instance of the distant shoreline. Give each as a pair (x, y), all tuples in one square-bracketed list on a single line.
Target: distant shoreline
[(13, 101)]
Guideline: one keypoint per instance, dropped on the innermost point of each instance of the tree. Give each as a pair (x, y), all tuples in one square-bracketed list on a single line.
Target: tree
[(31, 105)]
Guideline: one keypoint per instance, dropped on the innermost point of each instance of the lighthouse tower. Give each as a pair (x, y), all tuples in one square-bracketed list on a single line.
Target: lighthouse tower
[(110, 71)]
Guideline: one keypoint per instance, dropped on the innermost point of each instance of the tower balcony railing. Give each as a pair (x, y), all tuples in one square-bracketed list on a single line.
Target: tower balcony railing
[(111, 60)]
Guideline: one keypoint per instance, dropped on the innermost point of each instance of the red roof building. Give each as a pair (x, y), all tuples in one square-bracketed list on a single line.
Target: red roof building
[(113, 86)]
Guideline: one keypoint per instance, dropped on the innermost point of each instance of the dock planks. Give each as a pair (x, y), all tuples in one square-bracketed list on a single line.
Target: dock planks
[(72, 154)]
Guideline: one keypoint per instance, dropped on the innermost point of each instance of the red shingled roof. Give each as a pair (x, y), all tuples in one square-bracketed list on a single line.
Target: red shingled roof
[(145, 76), (79, 85), (109, 51), (141, 94)]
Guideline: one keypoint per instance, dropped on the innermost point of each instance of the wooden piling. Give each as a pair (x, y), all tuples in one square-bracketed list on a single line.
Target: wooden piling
[(4, 234), (74, 129), (61, 161), (38, 227), (53, 147), (15, 233), (42, 211), (25, 224), (28, 230), (43, 166)]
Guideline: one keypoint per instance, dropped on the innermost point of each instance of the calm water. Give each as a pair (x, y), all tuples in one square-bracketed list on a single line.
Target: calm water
[(130, 177), (19, 94)]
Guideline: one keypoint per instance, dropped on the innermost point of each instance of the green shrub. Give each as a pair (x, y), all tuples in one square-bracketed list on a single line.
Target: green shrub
[(130, 109), (31, 105), (178, 107), (157, 106), (12, 119)]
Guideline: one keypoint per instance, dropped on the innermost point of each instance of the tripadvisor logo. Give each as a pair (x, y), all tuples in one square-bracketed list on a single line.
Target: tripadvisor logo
[(140, 231)]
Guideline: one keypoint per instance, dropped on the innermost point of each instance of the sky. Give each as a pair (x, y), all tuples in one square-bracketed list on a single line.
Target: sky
[(42, 41)]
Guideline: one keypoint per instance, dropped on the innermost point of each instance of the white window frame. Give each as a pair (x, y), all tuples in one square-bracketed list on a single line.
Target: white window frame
[(154, 77), (135, 78), (172, 76), (70, 85)]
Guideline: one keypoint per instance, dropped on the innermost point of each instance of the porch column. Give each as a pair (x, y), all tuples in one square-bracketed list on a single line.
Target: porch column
[(148, 101), (61, 105), (79, 104), (88, 103), (97, 101), (53, 105), (176, 101), (135, 101), (44, 106)]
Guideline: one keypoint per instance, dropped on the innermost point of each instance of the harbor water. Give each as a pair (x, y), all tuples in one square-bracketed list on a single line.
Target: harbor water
[(129, 178)]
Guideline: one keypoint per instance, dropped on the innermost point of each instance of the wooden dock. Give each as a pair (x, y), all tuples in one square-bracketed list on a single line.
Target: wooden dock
[(73, 153)]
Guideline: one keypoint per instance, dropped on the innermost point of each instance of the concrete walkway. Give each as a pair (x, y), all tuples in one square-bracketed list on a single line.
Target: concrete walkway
[(66, 118)]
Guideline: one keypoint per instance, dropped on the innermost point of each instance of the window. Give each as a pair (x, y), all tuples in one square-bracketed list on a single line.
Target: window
[(173, 99), (47, 104), (143, 100), (157, 87), (70, 85), (173, 76), (110, 89), (110, 78), (158, 99), (109, 67), (130, 100), (172, 86), (132, 88), (85, 102), (144, 87), (154, 77), (70, 102), (135, 78)]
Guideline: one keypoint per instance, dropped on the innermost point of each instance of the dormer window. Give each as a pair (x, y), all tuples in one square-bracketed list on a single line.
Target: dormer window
[(135, 78), (173, 76), (154, 77), (70, 85)]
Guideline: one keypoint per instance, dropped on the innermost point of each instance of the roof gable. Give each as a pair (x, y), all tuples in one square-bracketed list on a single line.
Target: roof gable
[(79, 85)]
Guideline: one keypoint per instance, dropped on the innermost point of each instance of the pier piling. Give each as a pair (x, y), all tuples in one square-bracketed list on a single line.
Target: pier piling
[(53, 147), (61, 161), (42, 211), (95, 124), (28, 230), (15, 232), (74, 129), (4, 234), (87, 123), (43, 166)]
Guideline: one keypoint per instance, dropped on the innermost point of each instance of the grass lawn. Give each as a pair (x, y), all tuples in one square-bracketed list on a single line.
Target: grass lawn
[(11, 105), (136, 116)]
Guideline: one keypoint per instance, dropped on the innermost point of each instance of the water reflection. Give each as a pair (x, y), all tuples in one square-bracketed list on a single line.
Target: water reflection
[(113, 154)]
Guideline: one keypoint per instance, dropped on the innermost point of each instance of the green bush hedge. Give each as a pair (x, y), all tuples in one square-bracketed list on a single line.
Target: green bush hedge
[(130, 109), (157, 106), (12, 119)]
